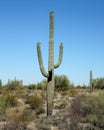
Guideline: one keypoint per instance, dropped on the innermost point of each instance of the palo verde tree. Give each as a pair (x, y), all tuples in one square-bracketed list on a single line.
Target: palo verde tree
[(51, 65)]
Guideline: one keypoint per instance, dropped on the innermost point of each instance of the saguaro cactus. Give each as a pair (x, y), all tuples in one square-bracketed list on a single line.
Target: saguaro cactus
[(0, 83), (91, 83), (50, 74)]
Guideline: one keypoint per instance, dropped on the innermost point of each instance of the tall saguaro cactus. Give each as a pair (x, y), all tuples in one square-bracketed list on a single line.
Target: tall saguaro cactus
[(50, 74)]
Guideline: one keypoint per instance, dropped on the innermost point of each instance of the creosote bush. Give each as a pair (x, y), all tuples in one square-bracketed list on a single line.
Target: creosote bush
[(15, 126), (89, 109), (42, 85), (98, 83), (36, 103), (93, 109), (73, 92), (14, 84), (62, 83), (7, 101), (20, 115)]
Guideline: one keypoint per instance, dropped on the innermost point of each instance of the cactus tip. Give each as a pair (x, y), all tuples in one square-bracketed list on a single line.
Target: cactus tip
[(38, 44), (52, 12), (61, 45)]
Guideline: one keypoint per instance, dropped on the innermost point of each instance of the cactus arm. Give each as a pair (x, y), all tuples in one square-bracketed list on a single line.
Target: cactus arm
[(60, 57), (41, 61), (51, 43)]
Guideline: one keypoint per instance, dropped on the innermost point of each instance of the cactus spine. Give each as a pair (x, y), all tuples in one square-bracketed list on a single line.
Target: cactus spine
[(91, 82), (51, 65)]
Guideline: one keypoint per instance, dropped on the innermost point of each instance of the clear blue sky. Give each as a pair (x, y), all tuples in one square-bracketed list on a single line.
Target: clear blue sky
[(79, 24)]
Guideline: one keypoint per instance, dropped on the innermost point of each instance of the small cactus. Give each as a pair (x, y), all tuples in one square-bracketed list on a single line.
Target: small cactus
[(91, 81), (0, 86), (51, 65), (0, 83)]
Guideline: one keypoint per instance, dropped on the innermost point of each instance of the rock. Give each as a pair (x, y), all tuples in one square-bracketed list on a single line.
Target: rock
[(2, 125), (32, 126)]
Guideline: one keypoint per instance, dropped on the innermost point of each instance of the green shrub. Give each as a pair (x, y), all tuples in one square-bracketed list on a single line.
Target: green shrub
[(7, 101), (63, 104), (20, 115), (14, 84), (2, 116), (75, 113), (35, 103), (93, 109), (62, 83), (98, 83), (88, 110), (42, 85), (15, 126), (72, 92), (32, 86)]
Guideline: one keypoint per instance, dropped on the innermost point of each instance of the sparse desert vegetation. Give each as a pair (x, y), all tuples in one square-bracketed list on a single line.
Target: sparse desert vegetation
[(75, 107)]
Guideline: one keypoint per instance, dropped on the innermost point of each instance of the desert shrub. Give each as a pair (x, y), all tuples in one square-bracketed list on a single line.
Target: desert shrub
[(15, 126), (21, 93), (73, 92), (20, 115), (63, 104), (62, 83), (32, 86), (25, 116), (93, 109), (43, 95), (2, 116), (98, 83), (35, 103), (88, 110), (42, 85), (7, 101), (39, 85), (75, 112), (14, 84)]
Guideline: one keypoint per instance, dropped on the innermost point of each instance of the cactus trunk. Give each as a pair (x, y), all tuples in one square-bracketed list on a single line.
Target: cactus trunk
[(50, 86), (51, 66)]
